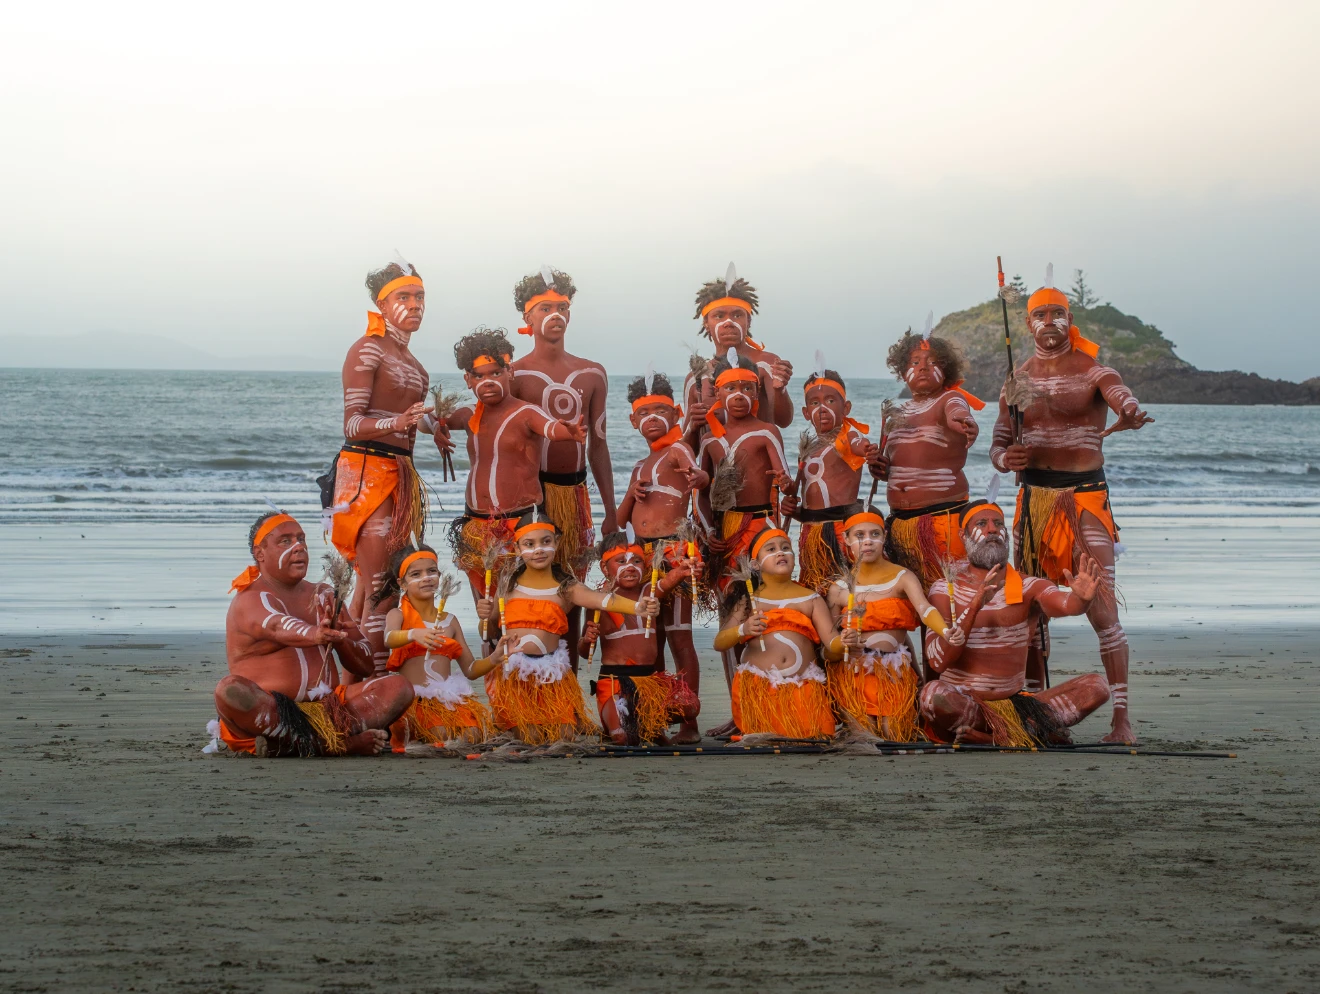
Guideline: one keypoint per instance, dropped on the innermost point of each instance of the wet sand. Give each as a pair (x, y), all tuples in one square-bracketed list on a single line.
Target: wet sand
[(133, 862)]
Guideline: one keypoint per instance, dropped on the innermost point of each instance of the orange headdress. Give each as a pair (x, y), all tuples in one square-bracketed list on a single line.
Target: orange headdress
[(550, 291), (1049, 295), (731, 375), (729, 292), (763, 536), (249, 575), (408, 277), (413, 557)]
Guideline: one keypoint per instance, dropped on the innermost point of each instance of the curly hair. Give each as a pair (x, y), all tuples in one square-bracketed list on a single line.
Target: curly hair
[(947, 356), (715, 289), (377, 278), (534, 283), (481, 341), (660, 386), (829, 374), (391, 587)]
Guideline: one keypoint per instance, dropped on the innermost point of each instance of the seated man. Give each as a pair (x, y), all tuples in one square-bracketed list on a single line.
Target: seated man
[(978, 694), (283, 695)]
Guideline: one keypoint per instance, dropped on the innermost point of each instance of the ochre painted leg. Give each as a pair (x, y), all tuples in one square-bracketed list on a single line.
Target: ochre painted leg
[(1077, 698), (1103, 615), (952, 714), (372, 558), (678, 635), (245, 707)]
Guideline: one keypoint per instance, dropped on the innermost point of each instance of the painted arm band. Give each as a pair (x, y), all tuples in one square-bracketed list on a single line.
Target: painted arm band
[(934, 620)]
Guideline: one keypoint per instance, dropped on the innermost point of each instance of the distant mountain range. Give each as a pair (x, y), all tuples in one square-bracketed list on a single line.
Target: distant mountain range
[(1140, 352)]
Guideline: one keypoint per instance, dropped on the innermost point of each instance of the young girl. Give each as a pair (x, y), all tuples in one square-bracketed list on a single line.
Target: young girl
[(778, 687), (425, 646), (535, 691), (877, 684)]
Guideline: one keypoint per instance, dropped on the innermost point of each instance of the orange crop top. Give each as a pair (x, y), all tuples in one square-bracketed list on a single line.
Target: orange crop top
[(533, 612), (450, 648)]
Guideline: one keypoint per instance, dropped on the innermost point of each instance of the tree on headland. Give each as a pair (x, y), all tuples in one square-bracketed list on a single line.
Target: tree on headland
[(1081, 294), (1020, 285)]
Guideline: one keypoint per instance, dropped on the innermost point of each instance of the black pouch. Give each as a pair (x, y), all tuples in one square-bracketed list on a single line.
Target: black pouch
[(327, 483)]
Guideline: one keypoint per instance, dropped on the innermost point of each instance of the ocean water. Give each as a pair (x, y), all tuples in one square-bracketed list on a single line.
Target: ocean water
[(127, 495)]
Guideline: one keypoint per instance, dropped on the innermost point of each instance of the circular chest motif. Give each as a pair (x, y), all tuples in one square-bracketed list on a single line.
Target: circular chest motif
[(562, 401)]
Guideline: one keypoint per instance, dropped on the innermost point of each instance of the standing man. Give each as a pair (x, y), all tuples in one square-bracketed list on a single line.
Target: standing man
[(1063, 512), (573, 390), (380, 495), (924, 457)]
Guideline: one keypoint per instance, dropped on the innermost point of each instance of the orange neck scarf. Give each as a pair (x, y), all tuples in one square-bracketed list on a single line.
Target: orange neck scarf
[(245, 579), (843, 444), (975, 403), (668, 438)]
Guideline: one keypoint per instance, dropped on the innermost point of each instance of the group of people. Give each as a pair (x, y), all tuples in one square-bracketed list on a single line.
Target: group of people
[(816, 640)]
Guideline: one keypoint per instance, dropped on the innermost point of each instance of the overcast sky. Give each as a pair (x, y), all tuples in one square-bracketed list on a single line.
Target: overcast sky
[(225, 174)]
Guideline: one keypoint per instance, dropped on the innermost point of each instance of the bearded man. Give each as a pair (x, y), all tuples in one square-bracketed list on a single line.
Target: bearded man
[(379, 501), (283, 695), (1063, 514), (926, 441), (978, 695), (725, 308)]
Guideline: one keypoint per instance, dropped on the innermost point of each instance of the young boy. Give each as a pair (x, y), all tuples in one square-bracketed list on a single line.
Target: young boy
[(829, 476), (656, 506), (637, 699)]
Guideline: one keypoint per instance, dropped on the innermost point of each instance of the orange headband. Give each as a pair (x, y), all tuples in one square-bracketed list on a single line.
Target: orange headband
[(726, 302), (973, 508), (1047, 295), (765, 535), (731, 375), (542, 525), (554, 295), (864, 518), (654, 398), (485, 360), (409, 560), (824, 381), (269, 525), (619, 550), (393, 285)]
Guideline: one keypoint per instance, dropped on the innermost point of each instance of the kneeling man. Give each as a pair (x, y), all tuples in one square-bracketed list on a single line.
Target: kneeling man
[(283, 696), (978, 694)]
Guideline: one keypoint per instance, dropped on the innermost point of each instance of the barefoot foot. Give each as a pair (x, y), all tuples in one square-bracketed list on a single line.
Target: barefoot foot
[(687, 734), (372, 742), (1121, 731), (724, 731)]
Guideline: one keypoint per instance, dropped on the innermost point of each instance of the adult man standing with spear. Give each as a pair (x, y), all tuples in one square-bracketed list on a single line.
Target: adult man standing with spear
[(1063, 514)]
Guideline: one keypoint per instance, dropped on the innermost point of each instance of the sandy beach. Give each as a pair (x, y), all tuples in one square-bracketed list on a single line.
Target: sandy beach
[(134, 862)]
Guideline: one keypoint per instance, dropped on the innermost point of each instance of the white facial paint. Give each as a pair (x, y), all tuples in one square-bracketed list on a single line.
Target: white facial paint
[(656, 418), (727, 322), (296, 545), (937, 373)]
